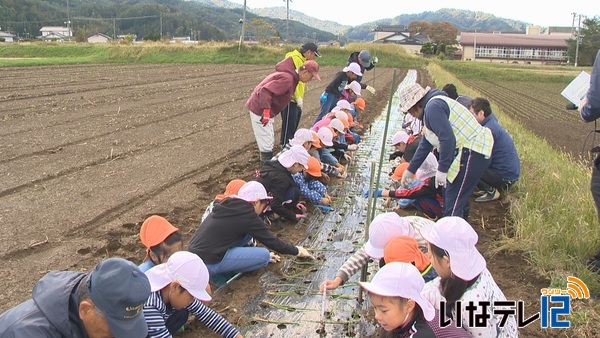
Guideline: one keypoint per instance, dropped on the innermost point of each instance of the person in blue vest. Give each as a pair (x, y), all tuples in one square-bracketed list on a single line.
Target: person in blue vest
[(589, 109), (505, 167), (463, 145)]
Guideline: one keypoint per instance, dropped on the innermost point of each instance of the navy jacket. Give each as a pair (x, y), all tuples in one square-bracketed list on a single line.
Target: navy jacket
[(354, 58), (53, 311), (591, 110), (505, 160)]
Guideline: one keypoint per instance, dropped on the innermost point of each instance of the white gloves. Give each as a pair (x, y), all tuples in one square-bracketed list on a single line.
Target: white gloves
[(274, 258), (300, 102), (440, 179), (374, 60), (353, 147), (303, 253), (371, 90), (407, 178)]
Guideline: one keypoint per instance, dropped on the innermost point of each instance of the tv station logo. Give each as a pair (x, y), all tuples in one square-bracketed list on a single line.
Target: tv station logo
[(555, 304)]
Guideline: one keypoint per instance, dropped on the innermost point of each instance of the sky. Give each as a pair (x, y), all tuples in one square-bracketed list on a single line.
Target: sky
[(537, 12)]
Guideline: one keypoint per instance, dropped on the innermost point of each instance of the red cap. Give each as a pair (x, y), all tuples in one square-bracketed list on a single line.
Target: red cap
[(313, 67)]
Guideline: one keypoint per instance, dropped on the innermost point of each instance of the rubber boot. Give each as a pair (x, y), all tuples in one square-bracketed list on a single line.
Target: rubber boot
[(265, 156)]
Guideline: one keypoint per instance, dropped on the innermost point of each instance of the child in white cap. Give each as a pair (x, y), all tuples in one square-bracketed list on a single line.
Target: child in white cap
[(395, 293), (333, 91), (463, 276), (221, 240), (181, 283), (382, 230)]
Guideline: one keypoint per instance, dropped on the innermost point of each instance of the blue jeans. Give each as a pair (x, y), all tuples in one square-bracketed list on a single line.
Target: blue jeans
[(241, 258), (328, 101), (327, 157)]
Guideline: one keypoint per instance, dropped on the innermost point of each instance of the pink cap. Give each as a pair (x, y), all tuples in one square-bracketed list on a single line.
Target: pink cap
[(354, 68), (253, 191), (400, 136), (184, 267), (296, 154), (404, 280), (355, 86), (458, 238), (343, 104), (326, 136), (302, 135), (383, 229)]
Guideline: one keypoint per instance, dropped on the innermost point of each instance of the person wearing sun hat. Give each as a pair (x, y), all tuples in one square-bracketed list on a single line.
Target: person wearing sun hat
[(106, 302), (310, 185), (383, 228), (351, 92), (291, 114), (302, 137), (271, 96), (333, 91), (178, 284), (464, 146), (276, 177), (222, 239), (395, 294), (406, 250), (161, 240), (463, 276), (230, 189)]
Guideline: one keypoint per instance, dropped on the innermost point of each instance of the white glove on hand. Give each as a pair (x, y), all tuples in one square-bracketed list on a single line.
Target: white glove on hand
[(274, 258), (303, 253), (371, 90), (300, 102), (582, 103), (407, 178), (353, 147), (374, 60), (440, 179)]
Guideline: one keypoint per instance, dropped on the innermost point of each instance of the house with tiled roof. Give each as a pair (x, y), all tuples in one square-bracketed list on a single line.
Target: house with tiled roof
[(7, 37), (400, 35)]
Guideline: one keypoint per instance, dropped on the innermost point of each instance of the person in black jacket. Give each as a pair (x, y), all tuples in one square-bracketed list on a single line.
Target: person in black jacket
[(363, 58), (276, 177), (222, 238)]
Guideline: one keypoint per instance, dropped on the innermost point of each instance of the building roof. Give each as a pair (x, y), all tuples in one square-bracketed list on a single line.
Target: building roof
[(6, 35), (514, 40), (391, 28), (100, 35), (54, 29)]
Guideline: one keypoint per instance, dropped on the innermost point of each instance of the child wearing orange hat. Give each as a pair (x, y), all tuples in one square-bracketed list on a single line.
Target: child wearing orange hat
[(311, 188), (406, 250), (232, 188), (161, 240)]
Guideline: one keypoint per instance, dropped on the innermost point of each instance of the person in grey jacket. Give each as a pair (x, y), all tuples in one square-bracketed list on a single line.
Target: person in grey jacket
[(107, 302)]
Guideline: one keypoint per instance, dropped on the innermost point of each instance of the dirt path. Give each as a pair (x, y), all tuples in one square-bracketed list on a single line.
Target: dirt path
[(88, 152)]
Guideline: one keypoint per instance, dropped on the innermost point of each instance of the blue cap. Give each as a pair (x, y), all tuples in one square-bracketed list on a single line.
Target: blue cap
[(365, 58), (119, 289)]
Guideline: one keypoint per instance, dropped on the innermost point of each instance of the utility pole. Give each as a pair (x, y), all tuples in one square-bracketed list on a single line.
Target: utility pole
[(287, 22), (161, 29), (578, 39), (243, 22)]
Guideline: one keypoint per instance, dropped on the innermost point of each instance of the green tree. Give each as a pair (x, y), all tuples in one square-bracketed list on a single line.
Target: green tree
[(428, 48), (589, 42), (262, 30)]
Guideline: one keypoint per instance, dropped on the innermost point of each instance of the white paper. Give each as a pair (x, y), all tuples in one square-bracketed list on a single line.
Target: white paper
[(577, 89)]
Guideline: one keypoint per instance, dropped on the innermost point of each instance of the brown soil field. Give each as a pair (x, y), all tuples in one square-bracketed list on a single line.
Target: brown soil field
[(87, 152)]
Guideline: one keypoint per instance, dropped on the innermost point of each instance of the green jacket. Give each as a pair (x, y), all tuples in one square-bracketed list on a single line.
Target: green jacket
[(299, 60)]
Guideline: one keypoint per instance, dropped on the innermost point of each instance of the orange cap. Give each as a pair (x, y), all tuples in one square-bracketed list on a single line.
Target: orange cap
[(314, 167), (232, 188), (360, 103), (406, 250), (316, 139), (154, 231), (351, 120), (397, 175)]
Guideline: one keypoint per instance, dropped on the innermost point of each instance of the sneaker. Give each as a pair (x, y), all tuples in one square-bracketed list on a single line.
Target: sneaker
[(489, 196), (479, 193)]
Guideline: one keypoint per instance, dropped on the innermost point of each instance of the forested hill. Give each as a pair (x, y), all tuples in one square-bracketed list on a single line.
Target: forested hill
[(205, 19)]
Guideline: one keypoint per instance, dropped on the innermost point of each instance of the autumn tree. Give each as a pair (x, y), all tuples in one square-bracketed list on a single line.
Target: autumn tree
[(417, 27)]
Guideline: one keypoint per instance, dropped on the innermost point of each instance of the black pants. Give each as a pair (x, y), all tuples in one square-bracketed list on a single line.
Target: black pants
[(290, 119), (491, 179), (595, 188)]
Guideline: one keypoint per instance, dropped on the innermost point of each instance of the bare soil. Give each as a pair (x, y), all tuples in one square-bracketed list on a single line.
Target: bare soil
[(87, 152)]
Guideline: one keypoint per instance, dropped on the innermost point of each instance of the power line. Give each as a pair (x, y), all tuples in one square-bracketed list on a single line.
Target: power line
[(117, 19)]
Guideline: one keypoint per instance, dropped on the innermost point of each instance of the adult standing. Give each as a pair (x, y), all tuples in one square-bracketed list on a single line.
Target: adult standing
[(291, 114), (464, 146), (107, 302), (590, 111), (363, 58), (270, 97), (505, 166)]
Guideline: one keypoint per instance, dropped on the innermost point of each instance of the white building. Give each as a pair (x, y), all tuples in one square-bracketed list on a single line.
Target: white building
[(58, 33), (99, 38), (7, 37)]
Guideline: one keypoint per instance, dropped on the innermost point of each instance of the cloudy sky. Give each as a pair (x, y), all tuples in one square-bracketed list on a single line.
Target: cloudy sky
[(538, 12)]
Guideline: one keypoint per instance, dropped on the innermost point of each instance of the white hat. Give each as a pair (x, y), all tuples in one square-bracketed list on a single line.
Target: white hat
[(354, 68), (252, 191), (326, 136), (337, 125), (382, 229), (400, 136), (458, 238), (404, 280), (355, 86), (184, 267), (296, 154), (342, 115), (343, 104), (300, 136)]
